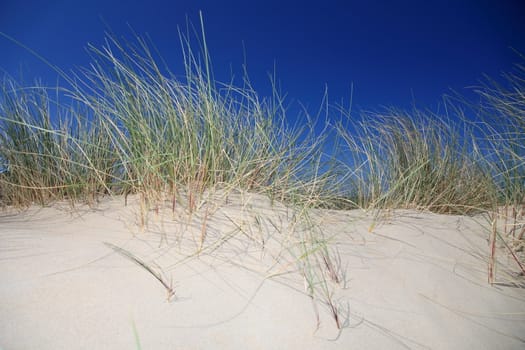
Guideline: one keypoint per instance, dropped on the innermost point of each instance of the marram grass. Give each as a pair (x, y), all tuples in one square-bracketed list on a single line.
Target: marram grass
[(127, 125), (132, 129)]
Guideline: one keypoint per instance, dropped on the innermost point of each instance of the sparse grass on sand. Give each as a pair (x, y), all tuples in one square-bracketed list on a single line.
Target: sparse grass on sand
[(130, 127)]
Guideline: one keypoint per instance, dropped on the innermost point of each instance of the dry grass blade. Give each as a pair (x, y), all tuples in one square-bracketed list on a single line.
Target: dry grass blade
[(492, 256), (169, 286)]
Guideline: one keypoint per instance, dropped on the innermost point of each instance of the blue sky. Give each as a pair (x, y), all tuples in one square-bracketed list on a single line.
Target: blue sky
[(393, 52)]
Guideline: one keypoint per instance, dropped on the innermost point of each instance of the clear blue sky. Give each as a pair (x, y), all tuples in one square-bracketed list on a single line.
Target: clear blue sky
[(392, 51)]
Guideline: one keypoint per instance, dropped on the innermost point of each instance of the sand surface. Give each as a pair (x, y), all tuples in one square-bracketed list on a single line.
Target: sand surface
[(409, 281)]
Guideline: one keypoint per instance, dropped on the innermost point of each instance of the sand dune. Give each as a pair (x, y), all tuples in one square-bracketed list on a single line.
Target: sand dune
[(248, 274)]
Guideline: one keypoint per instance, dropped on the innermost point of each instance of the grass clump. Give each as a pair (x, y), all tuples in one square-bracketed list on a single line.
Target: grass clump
[(501, 126), (135, 128), (413, 160), (46, 158)]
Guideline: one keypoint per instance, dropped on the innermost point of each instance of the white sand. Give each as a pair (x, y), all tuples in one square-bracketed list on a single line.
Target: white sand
[(417, 281)]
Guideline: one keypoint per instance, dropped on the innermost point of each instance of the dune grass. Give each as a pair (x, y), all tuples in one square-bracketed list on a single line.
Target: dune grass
[(413, 160), (501, 126), (47, 159), (126, 125), (468, 160), (135, 130)]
